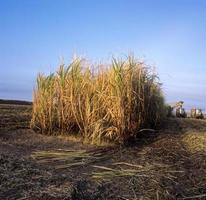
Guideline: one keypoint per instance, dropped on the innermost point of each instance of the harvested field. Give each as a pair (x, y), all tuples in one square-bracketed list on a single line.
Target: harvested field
[(14, 116), (168, 164)]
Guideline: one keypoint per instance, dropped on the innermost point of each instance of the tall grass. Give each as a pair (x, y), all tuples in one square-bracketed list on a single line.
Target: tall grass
[(107, 102)]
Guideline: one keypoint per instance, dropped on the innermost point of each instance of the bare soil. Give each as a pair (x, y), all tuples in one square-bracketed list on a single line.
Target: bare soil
[(167, 164)]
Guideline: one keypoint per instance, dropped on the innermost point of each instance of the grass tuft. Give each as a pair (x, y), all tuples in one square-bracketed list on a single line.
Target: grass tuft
[(104, 103)]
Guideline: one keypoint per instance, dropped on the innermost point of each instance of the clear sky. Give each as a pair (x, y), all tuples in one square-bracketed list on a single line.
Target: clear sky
[(170, 34)]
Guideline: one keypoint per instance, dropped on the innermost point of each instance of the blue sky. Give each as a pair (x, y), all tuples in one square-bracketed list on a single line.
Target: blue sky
[(36, 34)]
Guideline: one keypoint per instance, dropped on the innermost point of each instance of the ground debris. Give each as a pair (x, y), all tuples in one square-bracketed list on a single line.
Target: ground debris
[(23, 179), (160, 166)]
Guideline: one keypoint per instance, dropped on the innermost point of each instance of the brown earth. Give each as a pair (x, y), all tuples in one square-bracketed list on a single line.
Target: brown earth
[(168, 164)]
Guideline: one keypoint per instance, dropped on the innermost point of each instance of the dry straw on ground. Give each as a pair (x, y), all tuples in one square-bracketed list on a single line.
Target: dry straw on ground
[(104, 103), (195, 141)]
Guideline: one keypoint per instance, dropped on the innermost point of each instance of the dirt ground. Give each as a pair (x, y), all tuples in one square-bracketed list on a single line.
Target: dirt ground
[(167, 164)]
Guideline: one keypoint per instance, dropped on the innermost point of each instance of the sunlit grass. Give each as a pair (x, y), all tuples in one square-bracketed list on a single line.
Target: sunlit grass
[(103, 103), (195, 141)]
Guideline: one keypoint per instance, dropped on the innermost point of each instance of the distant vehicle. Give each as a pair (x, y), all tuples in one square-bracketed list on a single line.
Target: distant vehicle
[(180, 112), (197, 113), (177, 110)]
